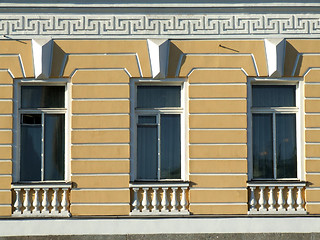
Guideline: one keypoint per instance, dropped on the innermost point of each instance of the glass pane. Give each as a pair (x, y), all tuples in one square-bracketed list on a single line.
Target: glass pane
[(262, 146), (273, 96), (147, 152), (54, 147), (158, 96), (147, 119), (170, 146), (42, 96), (30, 153), (286, 146), (31, 118)]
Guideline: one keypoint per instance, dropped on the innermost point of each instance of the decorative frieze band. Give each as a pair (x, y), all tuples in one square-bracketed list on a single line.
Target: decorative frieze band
[(166, 26)]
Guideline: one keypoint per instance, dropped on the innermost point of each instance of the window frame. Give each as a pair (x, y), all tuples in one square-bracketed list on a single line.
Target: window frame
[(297, 110), (17, 125), (144, 112)]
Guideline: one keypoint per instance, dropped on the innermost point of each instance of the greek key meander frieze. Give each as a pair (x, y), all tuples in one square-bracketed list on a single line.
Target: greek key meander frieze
[(165, 25)]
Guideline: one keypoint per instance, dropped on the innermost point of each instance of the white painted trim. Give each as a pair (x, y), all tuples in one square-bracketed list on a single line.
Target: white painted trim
[(228, 25), (154, 225), (219, 174), (183, 120), (100, 189), (299, 109), (218, 204), (100, 204), (219, 188), (16, 121), (99, 174), (42, 185), (159, 184)]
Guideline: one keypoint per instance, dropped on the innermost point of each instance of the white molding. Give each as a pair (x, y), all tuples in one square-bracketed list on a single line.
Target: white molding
[(173, 26)]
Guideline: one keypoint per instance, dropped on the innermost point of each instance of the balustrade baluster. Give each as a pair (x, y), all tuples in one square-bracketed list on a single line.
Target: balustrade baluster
[(164, 201), (174, 202), (183, 201), (17, 204), (64, 202), (252, 201), (55, 202), (262, 201), (45, 202), (281, 201), (136, 202), (271, 200), (145, 200), (290, 200), (36, 203), (300, 200), (155, 202), (27, 203)]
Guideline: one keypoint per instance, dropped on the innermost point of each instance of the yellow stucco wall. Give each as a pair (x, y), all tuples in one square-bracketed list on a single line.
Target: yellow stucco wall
[(216, 71)]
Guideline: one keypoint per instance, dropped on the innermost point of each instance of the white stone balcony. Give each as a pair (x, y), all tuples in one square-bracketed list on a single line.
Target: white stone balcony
[(272, 197), (159, 198), (41, 200)]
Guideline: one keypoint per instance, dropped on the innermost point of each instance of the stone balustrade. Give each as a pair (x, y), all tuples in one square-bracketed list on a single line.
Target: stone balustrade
[(276, 197), (41, 200), (159, 198)]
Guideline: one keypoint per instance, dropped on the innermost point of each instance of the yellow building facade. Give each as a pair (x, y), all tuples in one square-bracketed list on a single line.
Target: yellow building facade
[(222, 158)]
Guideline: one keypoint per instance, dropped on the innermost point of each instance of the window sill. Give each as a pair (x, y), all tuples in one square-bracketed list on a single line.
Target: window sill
[(59, 184), (277, 183), (162, 183)]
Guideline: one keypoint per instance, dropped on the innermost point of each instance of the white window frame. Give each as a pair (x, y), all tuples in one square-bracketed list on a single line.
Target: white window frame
[(134, 120), (298, 110), (17, 122)]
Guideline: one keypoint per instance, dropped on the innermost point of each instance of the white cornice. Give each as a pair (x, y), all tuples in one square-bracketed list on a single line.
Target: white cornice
[(158, 3)]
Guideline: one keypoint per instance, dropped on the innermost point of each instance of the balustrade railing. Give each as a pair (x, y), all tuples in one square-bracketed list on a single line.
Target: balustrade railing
[(276, 197), (41, 200), (159, 199)]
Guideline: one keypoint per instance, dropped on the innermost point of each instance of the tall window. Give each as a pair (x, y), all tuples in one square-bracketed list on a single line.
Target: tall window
[(274, 131), (158, 122), (42, 133)]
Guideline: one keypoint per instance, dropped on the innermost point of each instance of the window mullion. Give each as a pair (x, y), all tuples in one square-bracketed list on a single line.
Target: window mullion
[(159, 146), (274, 146), (42, 146)]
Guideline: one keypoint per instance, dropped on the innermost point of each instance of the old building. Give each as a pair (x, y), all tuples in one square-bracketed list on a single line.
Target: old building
[(162, 117)]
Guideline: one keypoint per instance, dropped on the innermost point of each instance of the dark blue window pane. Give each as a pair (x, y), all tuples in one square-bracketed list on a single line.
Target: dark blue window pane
[(158, 96), (54, 147), (42, 96), (273, 96), (147, 120), (286, 146), (30, 151), (147, 152), (170, 146), (262, 145)]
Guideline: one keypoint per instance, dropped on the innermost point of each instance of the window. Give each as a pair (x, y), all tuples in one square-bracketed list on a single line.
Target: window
[(158, 132), (42, 133), (274, 115)]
